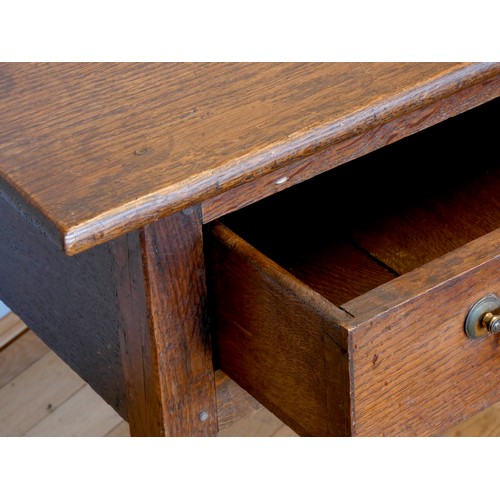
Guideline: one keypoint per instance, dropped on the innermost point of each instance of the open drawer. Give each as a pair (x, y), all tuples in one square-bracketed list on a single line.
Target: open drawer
[(340, 303)]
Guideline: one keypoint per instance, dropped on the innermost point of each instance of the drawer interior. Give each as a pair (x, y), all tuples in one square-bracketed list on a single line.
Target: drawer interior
[(364, 223)]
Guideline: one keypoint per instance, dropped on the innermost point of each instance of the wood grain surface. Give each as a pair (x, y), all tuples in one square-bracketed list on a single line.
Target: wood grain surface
[(415, 372), (350, 149), (90, 151), (165, 344)]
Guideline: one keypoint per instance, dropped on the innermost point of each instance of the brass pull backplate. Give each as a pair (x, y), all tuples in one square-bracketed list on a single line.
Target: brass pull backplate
[(483, 317)]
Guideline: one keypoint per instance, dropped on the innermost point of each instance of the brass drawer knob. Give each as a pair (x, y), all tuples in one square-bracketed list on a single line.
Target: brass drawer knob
[(491, 322), (483, 317)]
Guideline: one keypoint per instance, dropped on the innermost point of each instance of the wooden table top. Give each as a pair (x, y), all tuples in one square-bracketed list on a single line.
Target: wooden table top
[(89, 151)]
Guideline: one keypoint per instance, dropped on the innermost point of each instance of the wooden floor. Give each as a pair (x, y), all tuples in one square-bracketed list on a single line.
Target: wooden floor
[(41, 396)]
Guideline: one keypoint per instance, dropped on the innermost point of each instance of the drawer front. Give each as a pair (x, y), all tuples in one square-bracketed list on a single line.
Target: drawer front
[(414, 371)]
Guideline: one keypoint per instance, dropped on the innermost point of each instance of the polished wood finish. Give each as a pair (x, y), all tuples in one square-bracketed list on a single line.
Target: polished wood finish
[(122, 160), (89, 343), (165, 346), (140, 141), (350, 149), (76, 302)]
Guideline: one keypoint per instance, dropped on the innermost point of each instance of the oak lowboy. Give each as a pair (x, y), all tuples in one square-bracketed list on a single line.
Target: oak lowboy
[(346, 217)]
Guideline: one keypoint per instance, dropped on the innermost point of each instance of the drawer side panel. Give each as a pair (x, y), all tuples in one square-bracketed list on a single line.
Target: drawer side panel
[(270, 333)]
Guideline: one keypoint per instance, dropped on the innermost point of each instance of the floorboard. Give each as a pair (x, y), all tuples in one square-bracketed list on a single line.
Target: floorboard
[(10, 328), (35, 393), (83, 414), (19, 356)]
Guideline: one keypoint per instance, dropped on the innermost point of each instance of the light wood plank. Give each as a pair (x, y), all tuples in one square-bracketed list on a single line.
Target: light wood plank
[(121, 430), (10, 328), (19, 356), (261, 424), (35, 393), (233, 403), (83, 414), (484, 424), (284, 431)]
